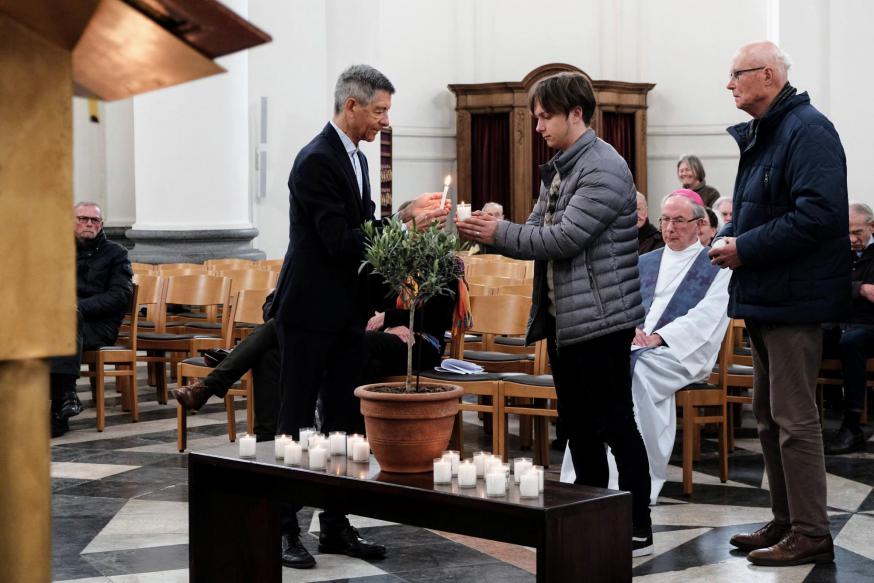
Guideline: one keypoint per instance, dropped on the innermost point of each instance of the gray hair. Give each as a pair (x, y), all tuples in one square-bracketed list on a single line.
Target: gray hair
[(719, 202), (694, 163), (360, 82), (698, 211), (860, 208), (88, 203), (497, 206)]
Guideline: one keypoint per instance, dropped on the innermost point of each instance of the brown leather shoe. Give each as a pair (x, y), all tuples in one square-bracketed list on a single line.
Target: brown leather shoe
[(193, 397), (795, 549), (767, 536)]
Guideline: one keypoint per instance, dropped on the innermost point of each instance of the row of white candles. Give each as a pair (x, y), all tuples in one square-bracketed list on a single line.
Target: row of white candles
[(354, 446), (490, 467)]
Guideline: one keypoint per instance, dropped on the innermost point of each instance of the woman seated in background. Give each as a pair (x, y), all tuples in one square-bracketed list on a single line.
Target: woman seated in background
[(690, 171)]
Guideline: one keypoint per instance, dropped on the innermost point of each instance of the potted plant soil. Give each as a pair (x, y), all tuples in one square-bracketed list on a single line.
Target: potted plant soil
[(409, 424)]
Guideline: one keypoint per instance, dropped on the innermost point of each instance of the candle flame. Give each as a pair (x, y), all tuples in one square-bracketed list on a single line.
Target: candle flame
[(448, 180)]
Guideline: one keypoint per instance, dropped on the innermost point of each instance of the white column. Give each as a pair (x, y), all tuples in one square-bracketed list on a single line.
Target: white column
[(191, 147)]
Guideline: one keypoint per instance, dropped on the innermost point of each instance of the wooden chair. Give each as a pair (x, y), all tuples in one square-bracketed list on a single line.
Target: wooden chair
[(245, 309), (195, 290), (495, 283), (143, 268), (270, 264), (124, 360), (511, 270), (162, 267), (250, 279), (217, 265), (692, 400), (736, 381), (523, 289), (505, 315)]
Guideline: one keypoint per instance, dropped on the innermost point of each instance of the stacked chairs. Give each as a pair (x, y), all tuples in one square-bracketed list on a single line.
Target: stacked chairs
[(143, 268), (218, 265), (509, 269), (270, 264), (206, 291), (246, 311), (124, 360)]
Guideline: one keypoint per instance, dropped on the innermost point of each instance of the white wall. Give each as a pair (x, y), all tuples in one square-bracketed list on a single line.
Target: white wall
[(683, 46)]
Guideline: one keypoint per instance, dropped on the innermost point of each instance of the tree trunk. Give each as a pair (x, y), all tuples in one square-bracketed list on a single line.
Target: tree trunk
[(409, 384)]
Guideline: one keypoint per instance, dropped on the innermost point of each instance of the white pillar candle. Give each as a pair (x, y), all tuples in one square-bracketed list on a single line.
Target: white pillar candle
[(454, 457), (529, 484), (247, 445), (496, 483), (337, 440), (360, 450), (442, 471), (520, 466), (479, 460), (304, 438), (279, 443), (467, 474), (293, 453), (462, 211), (492, 463), (350, 442), (318, 457), (539, 470)]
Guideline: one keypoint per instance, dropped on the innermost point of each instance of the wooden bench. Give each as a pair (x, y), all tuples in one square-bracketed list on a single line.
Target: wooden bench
[(580, 533)]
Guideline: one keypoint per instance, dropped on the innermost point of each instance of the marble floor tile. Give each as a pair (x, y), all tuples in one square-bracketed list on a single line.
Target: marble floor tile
[(142, 524), (330, 568), (432, 556), (136, 429), (665, 541), (845, 494), (356, 521), (708, 515), (85, 580), (524, 558), (139, 561), (193, 445), (734, 570), (675, 474), (85, 471), (174, 576), (857, 535), (483, 573)]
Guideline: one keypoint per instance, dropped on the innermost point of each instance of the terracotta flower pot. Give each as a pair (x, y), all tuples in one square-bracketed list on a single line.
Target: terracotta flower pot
[(407, 431)]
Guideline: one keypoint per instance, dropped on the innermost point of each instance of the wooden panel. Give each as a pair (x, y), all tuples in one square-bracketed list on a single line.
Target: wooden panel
[(123, 53), (38, 295), (60, 22)]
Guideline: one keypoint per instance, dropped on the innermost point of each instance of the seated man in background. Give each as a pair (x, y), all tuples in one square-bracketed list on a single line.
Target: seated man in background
[(648, 237), (103, 290), (853, 341), (685, 298), (723, 207), (494, 209)]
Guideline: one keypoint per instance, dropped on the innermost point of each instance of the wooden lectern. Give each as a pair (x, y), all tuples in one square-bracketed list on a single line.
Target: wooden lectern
[(106, 49)]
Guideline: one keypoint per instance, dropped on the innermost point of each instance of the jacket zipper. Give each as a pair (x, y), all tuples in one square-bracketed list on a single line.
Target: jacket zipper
[(592, 284)]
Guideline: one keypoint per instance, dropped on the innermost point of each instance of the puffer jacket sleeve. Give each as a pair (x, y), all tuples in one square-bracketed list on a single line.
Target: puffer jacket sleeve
[(116, 298), (594, 205), (814, 174)]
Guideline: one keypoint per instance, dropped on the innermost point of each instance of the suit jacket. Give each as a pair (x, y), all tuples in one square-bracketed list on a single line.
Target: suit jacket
[(319, 288)]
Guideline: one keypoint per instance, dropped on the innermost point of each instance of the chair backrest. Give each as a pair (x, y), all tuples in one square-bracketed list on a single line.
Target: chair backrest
[(523, 289), (171, 266), (216, 265), (494, 281), (250, 279), (208, 291), (510, 269), (172, 272), (151, 287), (476, 289), (134, 313), (144, 268), (248, 306), (506, 315), (269, 264)]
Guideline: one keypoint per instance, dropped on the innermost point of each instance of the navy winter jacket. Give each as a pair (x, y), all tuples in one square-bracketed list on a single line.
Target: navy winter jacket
[(790, 218)]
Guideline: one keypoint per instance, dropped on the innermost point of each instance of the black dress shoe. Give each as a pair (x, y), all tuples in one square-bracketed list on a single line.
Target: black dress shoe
[(193, 397), (71, 406), (845, 442), (294, 554), (348, 542), (59, 425)]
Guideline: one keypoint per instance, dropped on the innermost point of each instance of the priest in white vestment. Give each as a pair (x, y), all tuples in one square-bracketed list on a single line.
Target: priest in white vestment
[(686, 301)]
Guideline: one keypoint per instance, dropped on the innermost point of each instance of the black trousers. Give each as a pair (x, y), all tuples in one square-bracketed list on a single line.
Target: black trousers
[(854, 345), (593, 383), (259, 351), (332, 362), (386, 355), (64, 370)]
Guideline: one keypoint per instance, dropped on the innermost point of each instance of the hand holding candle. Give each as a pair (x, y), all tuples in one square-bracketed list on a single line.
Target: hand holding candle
[(446, 183), (480, 227)]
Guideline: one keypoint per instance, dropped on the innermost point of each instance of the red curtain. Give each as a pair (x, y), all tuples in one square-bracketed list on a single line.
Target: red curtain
[(540, 154), (617, 129), (490, 160)]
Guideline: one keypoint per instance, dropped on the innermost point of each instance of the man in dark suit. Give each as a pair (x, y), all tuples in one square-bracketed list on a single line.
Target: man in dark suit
[(321, 302)]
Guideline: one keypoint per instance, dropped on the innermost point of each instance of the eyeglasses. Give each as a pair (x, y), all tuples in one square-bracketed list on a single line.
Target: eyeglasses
[(85, 220), (678, 222), (736, 74)]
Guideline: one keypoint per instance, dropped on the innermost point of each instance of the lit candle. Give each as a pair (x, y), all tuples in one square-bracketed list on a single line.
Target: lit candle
[(462, 211), (337, 441), (360, 450), (446, 182), (442, 471), (279, 443), (454, 457), (247, 445), (529, 484), (493, 462), (467, 474), (496, 483), (304, 437), (293, 453), (318, 457), (350, 442), (539, 470), (315, 439), (520, 466), (479, 460)]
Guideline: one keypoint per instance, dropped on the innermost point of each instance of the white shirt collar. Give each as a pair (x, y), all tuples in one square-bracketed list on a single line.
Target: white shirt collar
[(350, 147), (692, 249)]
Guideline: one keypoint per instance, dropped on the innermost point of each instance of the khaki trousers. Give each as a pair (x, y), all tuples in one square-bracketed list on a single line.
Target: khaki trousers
[(786, 360)]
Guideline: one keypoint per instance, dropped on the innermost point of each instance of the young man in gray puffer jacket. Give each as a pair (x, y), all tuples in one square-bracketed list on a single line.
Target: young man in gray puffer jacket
[(582, 235)]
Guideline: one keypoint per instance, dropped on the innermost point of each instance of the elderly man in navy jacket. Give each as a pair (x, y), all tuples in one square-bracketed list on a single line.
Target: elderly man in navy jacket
[(787, 247)]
